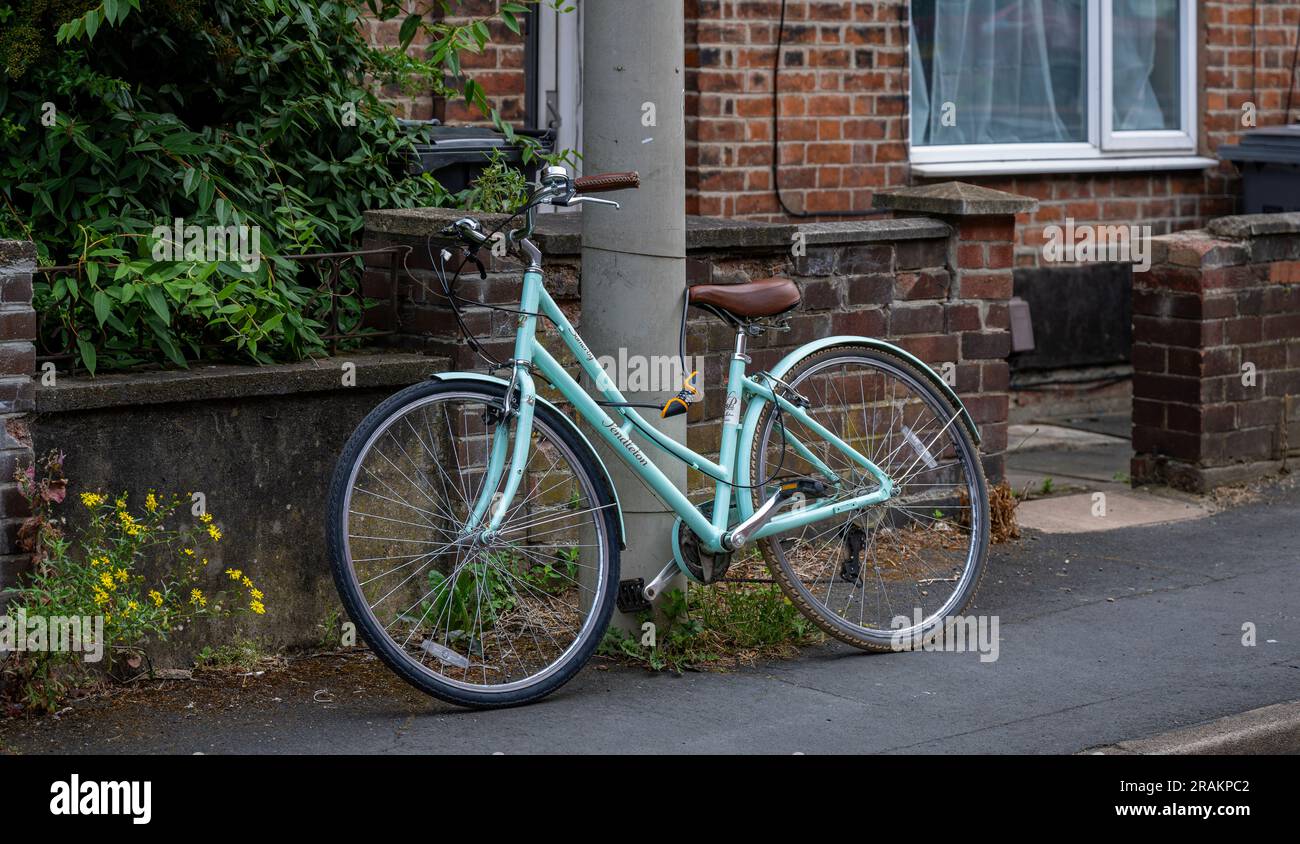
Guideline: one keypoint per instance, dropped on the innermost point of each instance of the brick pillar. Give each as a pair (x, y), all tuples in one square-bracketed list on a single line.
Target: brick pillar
[(980, 261), (1216, 353), (17, 393)]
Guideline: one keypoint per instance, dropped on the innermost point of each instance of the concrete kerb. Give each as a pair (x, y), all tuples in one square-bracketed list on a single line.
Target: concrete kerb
[(1268, 730)]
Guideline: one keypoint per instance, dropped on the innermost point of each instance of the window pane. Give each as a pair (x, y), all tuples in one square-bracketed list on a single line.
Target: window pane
[(1147, 63), (999, 71)]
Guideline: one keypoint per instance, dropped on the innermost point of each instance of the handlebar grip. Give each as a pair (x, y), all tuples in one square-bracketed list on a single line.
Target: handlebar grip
[(598, 182)]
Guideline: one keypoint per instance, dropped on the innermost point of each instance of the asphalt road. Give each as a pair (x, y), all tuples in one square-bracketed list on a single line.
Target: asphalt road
[(1103, 637)]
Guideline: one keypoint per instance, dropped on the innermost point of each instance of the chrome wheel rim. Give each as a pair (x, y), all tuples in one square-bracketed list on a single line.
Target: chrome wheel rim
[(923, 543), (499, 614)]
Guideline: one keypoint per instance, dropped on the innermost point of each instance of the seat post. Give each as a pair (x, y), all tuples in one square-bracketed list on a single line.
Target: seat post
[(742, 343)]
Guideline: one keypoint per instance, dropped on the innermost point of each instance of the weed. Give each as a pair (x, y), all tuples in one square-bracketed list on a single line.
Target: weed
[(244, 654), (331, 627), (716, 626)]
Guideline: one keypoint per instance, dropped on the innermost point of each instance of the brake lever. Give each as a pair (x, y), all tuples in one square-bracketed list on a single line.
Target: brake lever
[(473, 256), (578, 200)]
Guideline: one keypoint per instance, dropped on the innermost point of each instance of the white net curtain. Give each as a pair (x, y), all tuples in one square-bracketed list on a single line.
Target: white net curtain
[(1001, 72)]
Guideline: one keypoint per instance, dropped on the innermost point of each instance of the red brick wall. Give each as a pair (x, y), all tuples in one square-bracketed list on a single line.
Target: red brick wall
[(499, 69), (843, 103), (17, 395), (893, 279), (844, 123), (410, 105), (1216, 354)]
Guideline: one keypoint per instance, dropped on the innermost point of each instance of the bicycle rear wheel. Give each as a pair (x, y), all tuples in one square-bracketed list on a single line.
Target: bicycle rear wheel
[(476, 621), (892, 573)]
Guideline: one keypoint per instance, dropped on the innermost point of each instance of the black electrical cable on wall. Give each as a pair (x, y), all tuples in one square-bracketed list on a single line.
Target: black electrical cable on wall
[(1290, 88), (776, 123), (1254, 51)]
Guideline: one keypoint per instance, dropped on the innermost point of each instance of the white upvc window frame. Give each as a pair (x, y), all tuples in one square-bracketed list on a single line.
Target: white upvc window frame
[(1103, 142), (1182, 139)]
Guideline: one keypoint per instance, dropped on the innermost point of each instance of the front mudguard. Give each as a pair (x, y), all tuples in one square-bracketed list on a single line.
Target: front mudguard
[(609, 482)]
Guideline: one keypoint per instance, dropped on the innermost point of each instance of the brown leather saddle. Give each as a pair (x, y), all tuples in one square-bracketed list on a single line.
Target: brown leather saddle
[(738, 303)]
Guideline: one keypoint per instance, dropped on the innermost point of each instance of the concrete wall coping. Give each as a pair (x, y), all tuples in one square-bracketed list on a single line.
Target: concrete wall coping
[(211, 382), (561, 234), (1230, 242), (17, 255), (1242, 226), (955, 199)]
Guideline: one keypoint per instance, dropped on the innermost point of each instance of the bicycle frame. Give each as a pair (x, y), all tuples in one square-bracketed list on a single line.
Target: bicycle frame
[(507, 460)]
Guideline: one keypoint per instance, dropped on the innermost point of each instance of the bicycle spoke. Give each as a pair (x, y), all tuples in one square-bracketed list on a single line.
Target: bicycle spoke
[(905, 549), (465, 608)]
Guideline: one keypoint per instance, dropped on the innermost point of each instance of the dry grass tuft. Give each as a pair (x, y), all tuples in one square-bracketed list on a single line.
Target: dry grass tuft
[(1002, 514)]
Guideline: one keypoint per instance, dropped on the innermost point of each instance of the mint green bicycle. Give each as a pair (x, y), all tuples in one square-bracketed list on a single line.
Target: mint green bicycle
[(475, 533)]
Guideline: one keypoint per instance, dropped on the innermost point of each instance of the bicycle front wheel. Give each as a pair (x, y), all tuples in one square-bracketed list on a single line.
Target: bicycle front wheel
[(478, 621), (890, 574)]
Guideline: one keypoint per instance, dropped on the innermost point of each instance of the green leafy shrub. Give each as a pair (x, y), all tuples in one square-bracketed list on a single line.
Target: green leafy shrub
[(126, 309), (118, 116)]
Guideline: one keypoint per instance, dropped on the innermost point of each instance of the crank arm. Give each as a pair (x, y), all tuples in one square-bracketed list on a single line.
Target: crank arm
[(653, 589)]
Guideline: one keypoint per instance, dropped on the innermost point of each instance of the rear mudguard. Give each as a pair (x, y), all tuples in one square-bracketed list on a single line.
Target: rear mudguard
[(609, 482), (749, 427)]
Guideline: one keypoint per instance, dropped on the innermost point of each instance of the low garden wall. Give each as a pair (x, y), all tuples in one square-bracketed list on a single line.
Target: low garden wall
[(936, 280), (260, 443), (1216, 353)]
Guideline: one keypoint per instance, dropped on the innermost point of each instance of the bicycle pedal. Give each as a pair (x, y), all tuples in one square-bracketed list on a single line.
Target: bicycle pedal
[(631, 596)]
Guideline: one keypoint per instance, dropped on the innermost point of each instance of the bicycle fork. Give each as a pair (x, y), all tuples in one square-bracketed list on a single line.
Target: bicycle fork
[(507, 460)]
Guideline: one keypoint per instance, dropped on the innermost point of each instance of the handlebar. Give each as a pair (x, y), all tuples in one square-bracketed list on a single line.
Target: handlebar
[(607, 182), (556, 188)]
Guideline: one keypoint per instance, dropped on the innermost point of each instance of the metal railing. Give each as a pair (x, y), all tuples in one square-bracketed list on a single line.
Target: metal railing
[(330, 270)]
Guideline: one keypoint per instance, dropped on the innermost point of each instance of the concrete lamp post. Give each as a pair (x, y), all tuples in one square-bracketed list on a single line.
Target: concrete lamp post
[(634, 259)]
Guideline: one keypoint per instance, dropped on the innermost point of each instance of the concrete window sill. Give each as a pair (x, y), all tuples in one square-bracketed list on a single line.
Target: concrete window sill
[(1063, 165)]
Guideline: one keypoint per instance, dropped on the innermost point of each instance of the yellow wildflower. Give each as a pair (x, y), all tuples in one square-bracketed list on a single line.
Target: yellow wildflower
[(189, 552), (258, 607), (234, 574), (101, 597), (156, 597), (151, 502), (248, 583), (214, 533), (107, 579), (131, 606), (121, 575), (256, 594), (92, 499), (129, 525), (196, 598), (121, 502), (206, 518)]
